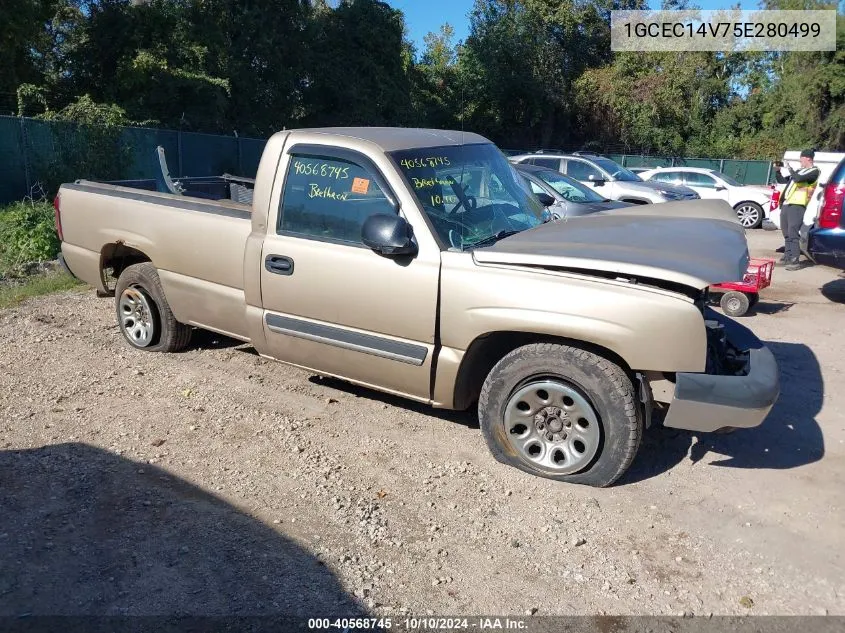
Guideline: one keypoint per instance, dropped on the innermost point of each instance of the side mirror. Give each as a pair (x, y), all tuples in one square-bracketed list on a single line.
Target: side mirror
[(388, 234), (545, 199), (720, 188), (598, 181)]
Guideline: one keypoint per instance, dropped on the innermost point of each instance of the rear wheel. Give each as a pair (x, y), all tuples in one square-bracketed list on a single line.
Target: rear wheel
[(143, 314), (561, 413), (749, 214)]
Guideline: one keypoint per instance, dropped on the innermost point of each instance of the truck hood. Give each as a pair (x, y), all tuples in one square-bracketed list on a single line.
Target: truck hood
[(688, 243)]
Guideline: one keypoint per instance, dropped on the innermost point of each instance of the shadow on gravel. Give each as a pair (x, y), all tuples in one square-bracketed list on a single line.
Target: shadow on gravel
[(205, 339), (468, 418), (86, 532), (834, 290), (789, 437), (770, 307)]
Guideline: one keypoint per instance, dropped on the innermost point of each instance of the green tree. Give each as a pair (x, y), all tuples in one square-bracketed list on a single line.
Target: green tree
[(356, 73), (436, 92), (522, 58), (23, 39), (656, 102), (87, 143), (784, 100), (261, 49), (146, 58)]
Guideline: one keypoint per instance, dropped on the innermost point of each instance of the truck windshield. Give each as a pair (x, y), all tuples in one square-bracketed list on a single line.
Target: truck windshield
[(471, 193)]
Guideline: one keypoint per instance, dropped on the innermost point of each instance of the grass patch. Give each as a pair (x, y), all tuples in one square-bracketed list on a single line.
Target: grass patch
[(36, 286), (27, 234)]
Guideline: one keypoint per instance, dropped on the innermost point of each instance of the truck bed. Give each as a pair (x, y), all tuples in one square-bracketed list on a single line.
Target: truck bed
[(202, 239)]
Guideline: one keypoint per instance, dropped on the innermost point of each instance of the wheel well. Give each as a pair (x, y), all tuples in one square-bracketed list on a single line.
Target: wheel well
[(488, 349), (738, 204), (117, 257)]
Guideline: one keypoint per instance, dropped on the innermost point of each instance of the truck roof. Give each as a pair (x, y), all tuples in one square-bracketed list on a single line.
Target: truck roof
[(390, 139)]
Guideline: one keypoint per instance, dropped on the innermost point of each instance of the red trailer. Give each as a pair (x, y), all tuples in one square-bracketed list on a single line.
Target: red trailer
[(738, 296)]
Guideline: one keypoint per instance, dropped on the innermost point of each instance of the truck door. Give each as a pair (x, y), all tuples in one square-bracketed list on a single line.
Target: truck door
[(332, 305)]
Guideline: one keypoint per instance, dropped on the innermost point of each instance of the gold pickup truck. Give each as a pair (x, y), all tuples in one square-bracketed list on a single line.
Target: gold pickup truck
[(417, 262)]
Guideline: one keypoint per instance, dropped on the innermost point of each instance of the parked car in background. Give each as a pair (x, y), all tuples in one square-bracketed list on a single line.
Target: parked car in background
[(750, 201), (826, 240), (638, 170), (563, 196), (608, 178)]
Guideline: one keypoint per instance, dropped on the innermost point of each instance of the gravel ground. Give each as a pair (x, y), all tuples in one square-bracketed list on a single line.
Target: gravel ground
[(215, 482)]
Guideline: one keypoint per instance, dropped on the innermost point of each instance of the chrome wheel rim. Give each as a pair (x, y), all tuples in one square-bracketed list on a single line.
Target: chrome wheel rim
[(136, 317), (748, 216), (734, 304), (552, 427)]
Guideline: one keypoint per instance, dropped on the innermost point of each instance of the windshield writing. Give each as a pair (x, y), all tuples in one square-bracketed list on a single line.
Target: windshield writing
[(471, 193)]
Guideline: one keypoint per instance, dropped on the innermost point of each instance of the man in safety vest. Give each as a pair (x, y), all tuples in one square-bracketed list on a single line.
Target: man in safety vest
[(794, 200)]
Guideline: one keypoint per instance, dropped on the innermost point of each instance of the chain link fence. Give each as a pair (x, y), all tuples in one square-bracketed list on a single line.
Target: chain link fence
[(38, 155)]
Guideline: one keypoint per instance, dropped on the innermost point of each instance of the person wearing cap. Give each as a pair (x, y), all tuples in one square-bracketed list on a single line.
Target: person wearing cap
[(794, 200)]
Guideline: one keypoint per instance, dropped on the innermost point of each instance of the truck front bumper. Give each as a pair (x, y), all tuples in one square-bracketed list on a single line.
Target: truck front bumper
[(707, 402)]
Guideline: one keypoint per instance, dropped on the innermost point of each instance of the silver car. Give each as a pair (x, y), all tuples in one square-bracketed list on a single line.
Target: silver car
[(607, 178), (563, 196)]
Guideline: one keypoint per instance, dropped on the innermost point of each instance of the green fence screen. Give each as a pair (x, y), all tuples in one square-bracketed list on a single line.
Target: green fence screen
[(747, 172), (12, 161), (36, 155)]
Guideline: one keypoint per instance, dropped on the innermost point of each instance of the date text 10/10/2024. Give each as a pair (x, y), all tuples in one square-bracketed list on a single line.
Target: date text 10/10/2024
[(419, 624)]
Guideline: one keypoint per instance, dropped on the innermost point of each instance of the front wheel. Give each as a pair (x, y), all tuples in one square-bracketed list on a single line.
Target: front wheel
[(561, 413), (749, 214), (143, 314)]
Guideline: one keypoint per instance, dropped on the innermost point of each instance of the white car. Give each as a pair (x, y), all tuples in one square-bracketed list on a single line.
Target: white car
[(749, 201)]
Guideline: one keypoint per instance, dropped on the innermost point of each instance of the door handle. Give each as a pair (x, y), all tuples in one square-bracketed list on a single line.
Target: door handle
[(279, 264)]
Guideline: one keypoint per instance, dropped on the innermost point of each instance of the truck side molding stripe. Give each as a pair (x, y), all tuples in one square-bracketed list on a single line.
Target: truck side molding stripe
[(172, 201), (339, 337)]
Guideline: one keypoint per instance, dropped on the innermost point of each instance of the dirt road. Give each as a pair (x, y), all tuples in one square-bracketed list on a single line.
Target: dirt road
[(215, 482)]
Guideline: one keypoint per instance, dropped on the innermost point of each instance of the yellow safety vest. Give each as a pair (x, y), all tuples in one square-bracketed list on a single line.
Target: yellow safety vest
[(799, 192)]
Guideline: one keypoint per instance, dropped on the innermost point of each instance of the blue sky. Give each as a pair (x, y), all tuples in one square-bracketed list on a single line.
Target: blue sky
[(423, 16)]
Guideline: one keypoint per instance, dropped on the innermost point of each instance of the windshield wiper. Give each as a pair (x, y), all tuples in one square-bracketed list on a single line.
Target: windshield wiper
[(492, 239)]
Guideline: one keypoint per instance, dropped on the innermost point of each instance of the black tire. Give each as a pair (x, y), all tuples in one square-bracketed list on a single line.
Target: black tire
[(735, 303), (757, 208), (169, 335), (603, 384)]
